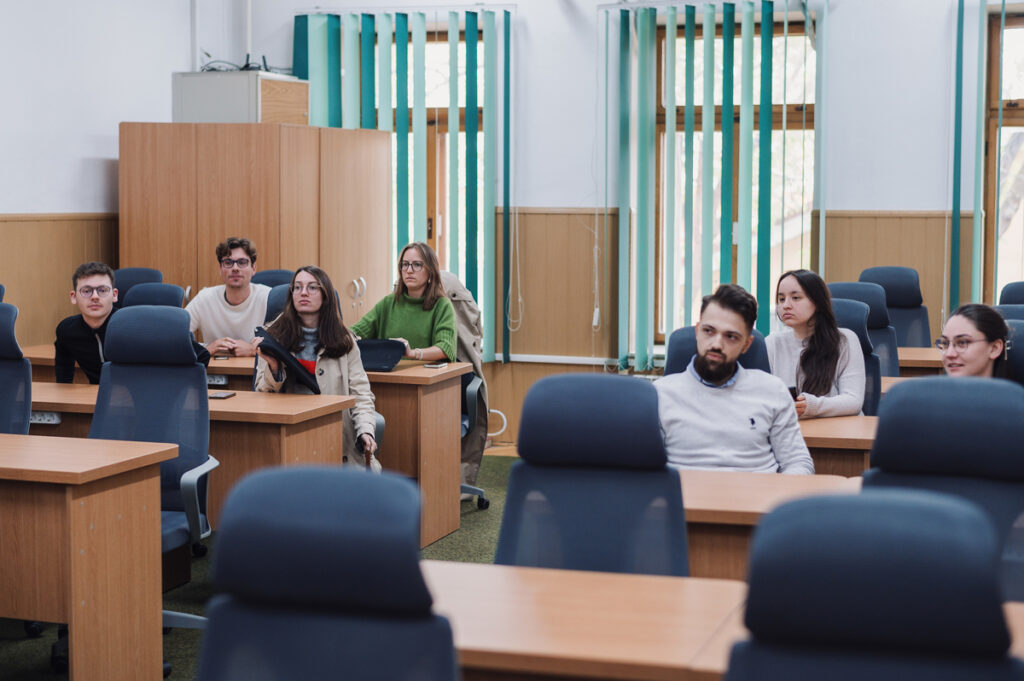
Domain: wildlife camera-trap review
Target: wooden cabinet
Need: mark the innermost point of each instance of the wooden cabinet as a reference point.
(304, 195)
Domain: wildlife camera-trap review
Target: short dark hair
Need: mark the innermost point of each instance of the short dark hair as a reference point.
(88, 269)
(734, 297)
(225, 247)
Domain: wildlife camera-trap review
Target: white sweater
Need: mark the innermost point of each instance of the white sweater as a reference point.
(747, 425)
(846, 396)
(210, 313)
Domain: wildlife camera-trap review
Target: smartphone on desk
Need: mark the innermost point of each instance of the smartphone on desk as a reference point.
(221, 394)
(440, 365)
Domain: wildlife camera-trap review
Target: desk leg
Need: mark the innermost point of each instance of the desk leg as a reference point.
(849, 463)
(718, 551)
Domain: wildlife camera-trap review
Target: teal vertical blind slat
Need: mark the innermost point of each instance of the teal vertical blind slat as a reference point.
(744, 265)
(623, 188)
(402, 129)
(472, 125)
(707, 211)
(644, 300)
(385, 113)
(454, 250)
(669, 250)
(490, 166)
(419, 126)
(688, 124)
(728, 42)
(958, 105)
(333, 74)
(300, 46)
(506, 174)
(764, 188)
(367, 95)
(350, 79)
(977, 236)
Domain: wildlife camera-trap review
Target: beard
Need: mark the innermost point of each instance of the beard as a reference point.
(717, 372)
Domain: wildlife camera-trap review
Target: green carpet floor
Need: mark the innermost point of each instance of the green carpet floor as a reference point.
(26, 659)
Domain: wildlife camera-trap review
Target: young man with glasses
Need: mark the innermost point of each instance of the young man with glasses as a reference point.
(228, 314)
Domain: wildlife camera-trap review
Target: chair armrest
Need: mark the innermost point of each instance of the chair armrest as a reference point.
(473, 402)
(190, 498)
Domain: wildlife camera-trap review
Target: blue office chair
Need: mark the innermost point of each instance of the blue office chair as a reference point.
(853, 315)
(276, 301)
(273, 278)
(1015, 353)
(593, 490)
(1012, 294)
(15, 377)
(1011, 311)
(317, 573)
(959, 436)
(3, 290)
(880, 332)
(885, 586)
(903, 297)
(152, 293)
(682, 346)
(128, 277)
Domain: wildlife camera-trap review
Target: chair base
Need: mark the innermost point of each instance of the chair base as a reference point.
(177, 567)
(482, 502)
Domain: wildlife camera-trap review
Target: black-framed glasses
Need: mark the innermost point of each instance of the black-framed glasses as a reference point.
(228, 263)
(101, 291)
(414, 265)
(311, 288)
(960, 344)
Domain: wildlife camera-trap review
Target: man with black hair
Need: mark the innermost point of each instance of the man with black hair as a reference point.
(716, 414)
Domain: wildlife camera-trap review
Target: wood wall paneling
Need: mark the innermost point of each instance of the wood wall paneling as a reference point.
(299, 240)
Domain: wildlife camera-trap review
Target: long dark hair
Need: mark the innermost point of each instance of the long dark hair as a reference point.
(435, 289)
(992, 325)
(817, 371)
(334, 338)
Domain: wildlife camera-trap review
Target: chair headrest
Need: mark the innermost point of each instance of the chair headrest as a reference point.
(1012, 293)
(149, 334)
(838, 571)
(153, 293)
(853, 315)
(866, 292)
(323, 537)
(9, 348)
(127, 277)
(276, 300)
(1015, 355)
(592, 420)
(951, 426)
(1011, 310)
(901, 284)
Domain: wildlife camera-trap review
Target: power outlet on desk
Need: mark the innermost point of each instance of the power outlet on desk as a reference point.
(50, 418)
(216, 379)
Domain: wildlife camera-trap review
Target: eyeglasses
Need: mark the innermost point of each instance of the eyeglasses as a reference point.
(311, 288)
(414, 265)
(228, 263)
(960, 344)
(101, 291)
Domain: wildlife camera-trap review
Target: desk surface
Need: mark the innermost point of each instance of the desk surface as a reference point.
(568, 622)
(246, 407)
(840, 432)
(74, 461)
(735, 498)
(889, 381)
(929, 358)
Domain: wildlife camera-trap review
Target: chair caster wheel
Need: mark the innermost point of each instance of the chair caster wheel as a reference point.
(59, 656)
(33, 629)
(167, 669)
(199, 550)
(483, 503)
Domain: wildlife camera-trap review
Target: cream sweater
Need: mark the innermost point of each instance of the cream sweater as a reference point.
(211, 314)
(846, 397)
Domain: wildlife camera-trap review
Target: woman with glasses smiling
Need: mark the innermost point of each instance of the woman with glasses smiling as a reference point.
(417, 313)
(310, 327)
(974, 342)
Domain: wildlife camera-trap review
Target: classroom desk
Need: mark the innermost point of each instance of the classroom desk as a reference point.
(919, 361)
(840, 445)
(247, 432)
(422, 409)
(722, 508)
(518, 623)
(889, 381)
(80, 540)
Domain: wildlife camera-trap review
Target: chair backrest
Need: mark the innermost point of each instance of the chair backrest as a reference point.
(276, 300)
(1012, 293)
(1011, 311)
(881, 333)
(3, 290)
(128, 277)
(317, 573)
(853, 315)
(152, 293)
(959, 436)
(839, 590)
(682, 346)
(584, 440)
(273, 278)
(152, 389)
(1015, 355)
(907, 311)
(15, 377)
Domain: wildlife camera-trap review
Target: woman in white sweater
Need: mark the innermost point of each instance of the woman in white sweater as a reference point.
(821, 362)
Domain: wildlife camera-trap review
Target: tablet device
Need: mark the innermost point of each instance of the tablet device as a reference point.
(271, 347)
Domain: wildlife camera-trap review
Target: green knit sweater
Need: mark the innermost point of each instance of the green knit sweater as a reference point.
(407, 319)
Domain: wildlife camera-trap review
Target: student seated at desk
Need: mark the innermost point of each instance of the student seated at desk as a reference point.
(717, 415)
(974, 342)
(313, 331)
(80, 337)
(822, 361)
(417, 313)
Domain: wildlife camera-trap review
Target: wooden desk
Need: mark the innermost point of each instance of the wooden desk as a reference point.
(80, 540)
(518, 623)
(247, 432)
(840, 445)
(889, 381)
(722, 508)
(919, 361)
(422, 409)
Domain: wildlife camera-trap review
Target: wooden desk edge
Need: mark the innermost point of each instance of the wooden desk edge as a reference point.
(161, 452)
(418, 375)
